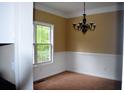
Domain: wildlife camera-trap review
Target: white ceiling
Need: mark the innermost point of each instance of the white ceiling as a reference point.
(74, 7)
(69, 7)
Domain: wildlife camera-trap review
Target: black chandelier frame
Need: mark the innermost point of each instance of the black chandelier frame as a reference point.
(83, 26)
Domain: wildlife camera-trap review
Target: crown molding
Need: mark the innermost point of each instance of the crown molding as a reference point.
(97, 11)
(49, 10)
(78, 13)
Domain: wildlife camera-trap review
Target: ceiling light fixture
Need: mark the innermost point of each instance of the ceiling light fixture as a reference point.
(83, 26)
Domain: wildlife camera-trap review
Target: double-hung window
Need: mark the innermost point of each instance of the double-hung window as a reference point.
(43, 43)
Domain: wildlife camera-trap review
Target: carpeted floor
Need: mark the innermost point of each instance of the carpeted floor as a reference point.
(75, 81)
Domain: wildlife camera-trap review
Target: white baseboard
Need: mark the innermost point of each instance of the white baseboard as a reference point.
(46, 70)
(97, 64)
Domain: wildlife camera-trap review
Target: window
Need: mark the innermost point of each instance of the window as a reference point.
(43, 43)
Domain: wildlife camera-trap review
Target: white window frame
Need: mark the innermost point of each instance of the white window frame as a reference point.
(51, 42)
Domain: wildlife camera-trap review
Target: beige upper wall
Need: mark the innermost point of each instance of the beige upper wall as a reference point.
(107, 38)
(59, 28)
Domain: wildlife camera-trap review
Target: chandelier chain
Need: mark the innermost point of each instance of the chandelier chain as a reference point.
(84, 7)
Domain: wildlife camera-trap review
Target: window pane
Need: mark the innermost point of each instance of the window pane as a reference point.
(42, 34)
(43, 53)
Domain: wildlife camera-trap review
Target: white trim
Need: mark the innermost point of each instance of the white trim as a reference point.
(23, 45)
(77, 14)
(43, 23)
(88, 53)
(51, 42)
(97, 11)
(49, 10)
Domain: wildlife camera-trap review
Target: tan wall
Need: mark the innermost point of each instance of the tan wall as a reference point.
(107, 38)
(59, 28)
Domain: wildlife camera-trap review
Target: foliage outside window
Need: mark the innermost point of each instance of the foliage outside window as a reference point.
(43, 43)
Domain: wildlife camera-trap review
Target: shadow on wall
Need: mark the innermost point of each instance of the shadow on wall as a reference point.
(119, 33)
(119, 42)
(27, 75)
(0, 74)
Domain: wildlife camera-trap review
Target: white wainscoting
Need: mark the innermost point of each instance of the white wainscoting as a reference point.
(96, 64)
(46, 70)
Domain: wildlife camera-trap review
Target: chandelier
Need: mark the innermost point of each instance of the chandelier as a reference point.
(83, 26)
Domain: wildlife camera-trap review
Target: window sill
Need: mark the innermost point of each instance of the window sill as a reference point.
(41, 64)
